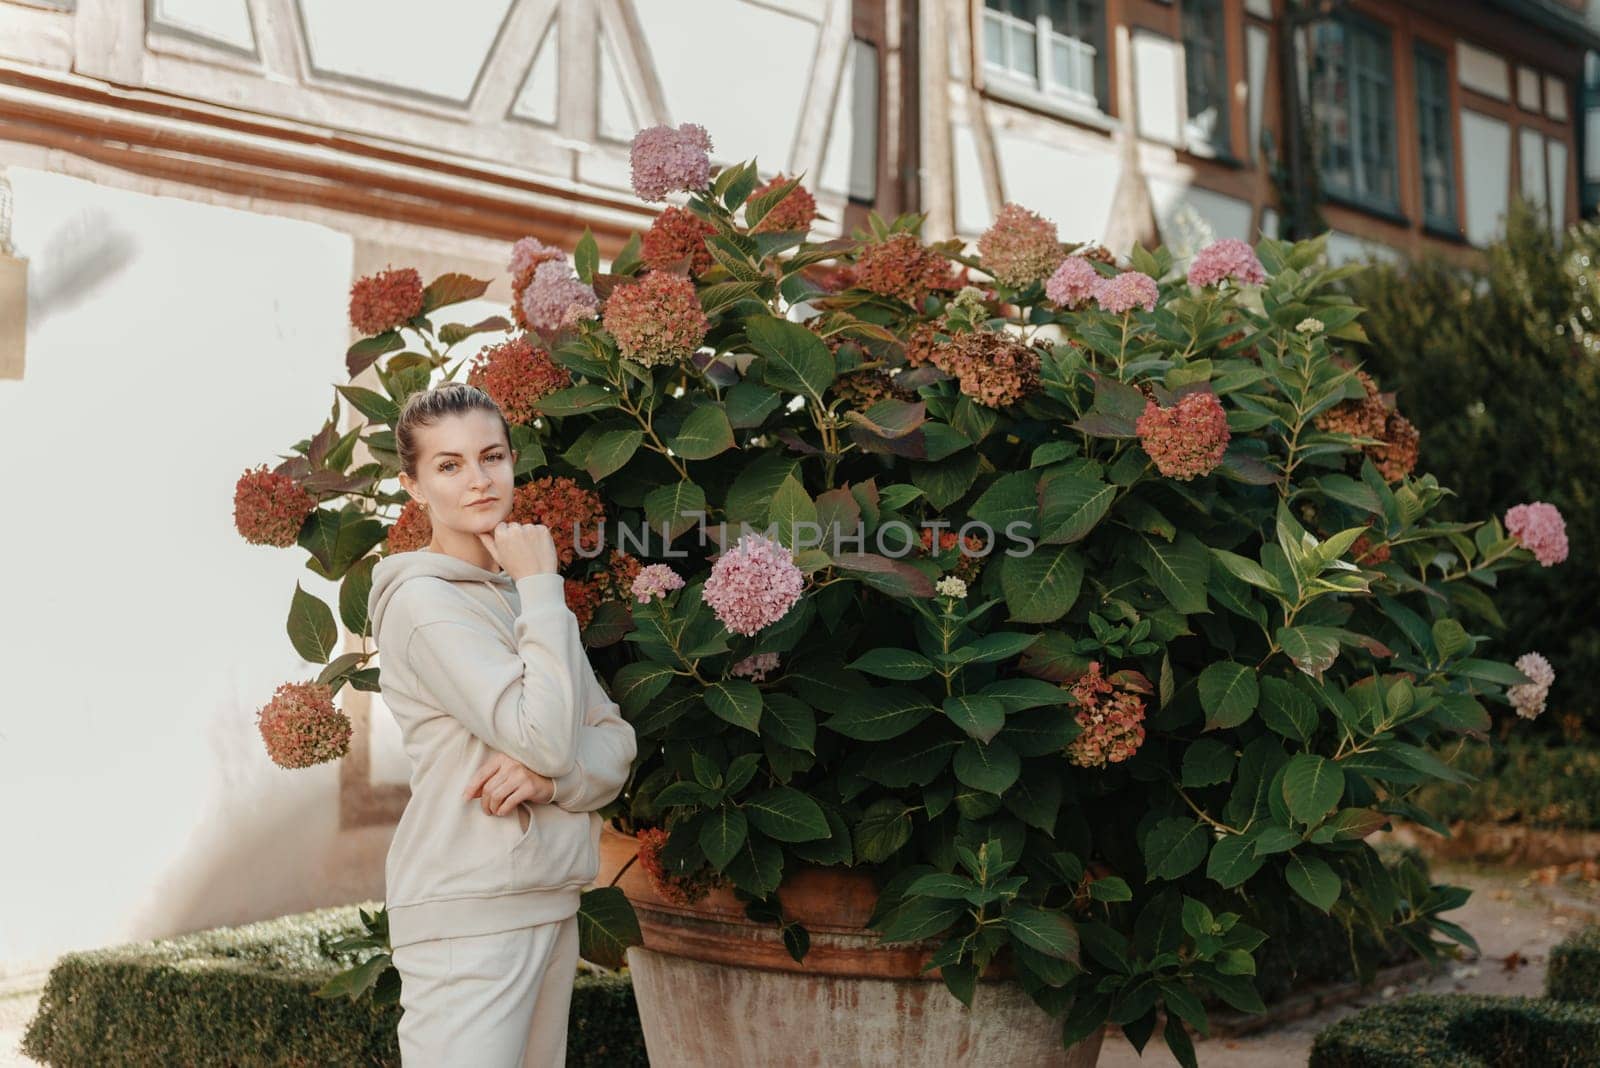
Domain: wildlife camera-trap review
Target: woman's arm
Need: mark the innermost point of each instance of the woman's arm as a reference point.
(605, 751)
(527, 704)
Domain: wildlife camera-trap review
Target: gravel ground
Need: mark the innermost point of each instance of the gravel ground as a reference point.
(1515, 922)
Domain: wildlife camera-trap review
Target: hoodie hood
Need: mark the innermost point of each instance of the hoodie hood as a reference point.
(393, 571)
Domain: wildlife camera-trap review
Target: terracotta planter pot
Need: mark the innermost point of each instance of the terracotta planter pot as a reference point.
(715, 988)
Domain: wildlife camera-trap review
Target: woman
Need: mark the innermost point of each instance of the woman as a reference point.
(502, 716)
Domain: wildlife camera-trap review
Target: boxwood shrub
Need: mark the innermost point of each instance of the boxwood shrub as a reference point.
(243, 996)
(1463, 1031)
(1574, 973)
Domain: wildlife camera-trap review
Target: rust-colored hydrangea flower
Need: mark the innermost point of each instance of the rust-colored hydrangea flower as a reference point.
(385, 300)
(1366, 551)
(1112, 720)
(863, 388)
(902, 267)
(270, 508)
(582, 598)
(680, 888)
(302, 727)
(656, 320)
(922, 344)
(615, 582)
(1021, 247)
(967, 563)
(1397, 456)
(796, 211)
(1187, 440)
(412, 531)
(993, 367)
(675, 235)
(1364, 418)
(573, 514)
(516, 373)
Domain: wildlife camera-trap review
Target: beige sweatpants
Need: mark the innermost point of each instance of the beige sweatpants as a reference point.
(496, 1001)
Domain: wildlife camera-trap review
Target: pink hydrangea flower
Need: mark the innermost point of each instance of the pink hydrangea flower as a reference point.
(1126, 291)
(753, 585)
(527, 254)
(1529, 697)
(654, 582)
(1187, 440)
(667, 160)
(301, 727)
(1073, 283)
(1021, 247)
(1540, 528)
(555, 298)
(1228, 258)
(656, 320)
(755, 668)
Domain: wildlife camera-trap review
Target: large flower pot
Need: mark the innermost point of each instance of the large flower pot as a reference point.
(716, 988)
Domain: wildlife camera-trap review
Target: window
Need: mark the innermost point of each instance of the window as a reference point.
(1056, 46)
(1436, 148)
(1352, 110)
(1205, 67)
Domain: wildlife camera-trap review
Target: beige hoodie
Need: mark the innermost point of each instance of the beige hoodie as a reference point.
(472, 662)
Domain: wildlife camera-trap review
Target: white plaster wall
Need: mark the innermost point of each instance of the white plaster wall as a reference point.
(170, 346)
(1070, 179)
(775, 50)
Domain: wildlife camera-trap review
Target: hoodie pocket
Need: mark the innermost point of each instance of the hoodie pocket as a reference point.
(559, 847)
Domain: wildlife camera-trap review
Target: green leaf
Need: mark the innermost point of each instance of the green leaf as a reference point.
(1110, 889)
(789, 721)
(1042, 586)
(1313, 649)
(1001, 645)
(312, 631)
(610, 451)
(794, 358)
(920, 917)
(980, 717)
(1174, 847)
(880, 714)
(991, 768)
(1450, 638)
(900, 664)
(1312, 879)
(607, 926)
(704, 434)
(788, 815)
(1287, 710)
(882, 830)
(1233, 860)
(354, 592)
(1228, 693)
(1207, 762)
(1046, 930)
(1312, 786)
(758, 867)
(738, 701)
(354, 982)
(1179, 570)
(1248, 570)
(722, 834)
(791, 510)
(1070, 506)
(677, 507)
(586, 257)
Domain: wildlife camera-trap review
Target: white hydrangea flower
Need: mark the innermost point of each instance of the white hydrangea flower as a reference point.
(1311, 325)
(950, 586)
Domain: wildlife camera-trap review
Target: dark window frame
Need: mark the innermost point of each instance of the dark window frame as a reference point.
(1436, 141)
(1036, 25)
(1203, 30)
(1370, 148)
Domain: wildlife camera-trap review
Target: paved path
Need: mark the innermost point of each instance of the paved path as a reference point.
(1505, 914)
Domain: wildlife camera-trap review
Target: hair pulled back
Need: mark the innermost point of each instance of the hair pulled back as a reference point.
(428, 406)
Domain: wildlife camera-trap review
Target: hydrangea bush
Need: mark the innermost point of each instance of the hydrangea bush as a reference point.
(1089, 604)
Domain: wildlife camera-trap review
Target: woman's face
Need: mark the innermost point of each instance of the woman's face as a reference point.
(464, 460)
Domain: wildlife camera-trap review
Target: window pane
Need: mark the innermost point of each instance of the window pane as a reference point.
(1436, 152)
(1352, 102)
(1072, 65)
(994, 41)
(1023, 58)
(1205, 64)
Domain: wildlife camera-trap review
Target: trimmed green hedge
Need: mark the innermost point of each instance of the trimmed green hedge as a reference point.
(1574, 972)
(242, 995)
(1439, 1030)
(1463, 1031)
(1522, 781)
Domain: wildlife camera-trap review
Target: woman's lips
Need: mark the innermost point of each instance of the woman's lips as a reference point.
(479, 504)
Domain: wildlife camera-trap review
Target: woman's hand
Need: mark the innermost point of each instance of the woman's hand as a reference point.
(522, 549)
(505, 784)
